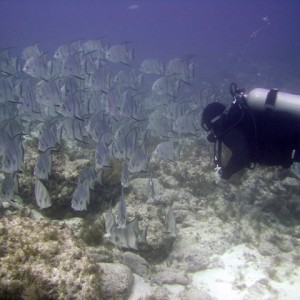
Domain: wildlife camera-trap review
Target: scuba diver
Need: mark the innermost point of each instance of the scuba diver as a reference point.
(262, 127)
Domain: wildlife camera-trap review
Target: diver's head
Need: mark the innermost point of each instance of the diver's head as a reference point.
(210, 114)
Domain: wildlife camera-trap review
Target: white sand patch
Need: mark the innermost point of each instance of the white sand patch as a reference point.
(140, 289)
(174, 289)
(243, 275)
(289, 288)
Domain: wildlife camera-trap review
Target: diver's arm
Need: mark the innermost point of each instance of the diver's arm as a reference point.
(240, 157)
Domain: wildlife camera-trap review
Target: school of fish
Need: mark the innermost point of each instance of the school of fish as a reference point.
(96, 94)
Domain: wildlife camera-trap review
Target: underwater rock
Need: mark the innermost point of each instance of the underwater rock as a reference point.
(181, 215)
(267, 249)
(267, 245)
(100, 254)
(291, 182)
(136, 263)
(284, 243)
(162, 293)
(140, 188)
(152, 217)
(45, 254)
(260, 287)
(195, 294)
(171, 277)
(117, 281)
(61, 184)
(170, 182)
(196, 261)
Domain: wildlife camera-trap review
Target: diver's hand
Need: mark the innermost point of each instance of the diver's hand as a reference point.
(218, 175)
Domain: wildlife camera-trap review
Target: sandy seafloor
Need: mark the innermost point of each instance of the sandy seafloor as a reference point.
(247, 260)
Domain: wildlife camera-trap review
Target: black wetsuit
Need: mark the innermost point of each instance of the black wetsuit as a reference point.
(267, 138)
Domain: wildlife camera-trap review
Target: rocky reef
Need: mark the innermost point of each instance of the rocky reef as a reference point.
(241, 238)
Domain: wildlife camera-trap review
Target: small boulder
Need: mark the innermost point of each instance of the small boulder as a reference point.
(117, 281)
(136, 263)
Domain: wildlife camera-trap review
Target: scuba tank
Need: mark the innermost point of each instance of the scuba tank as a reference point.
(262, 99)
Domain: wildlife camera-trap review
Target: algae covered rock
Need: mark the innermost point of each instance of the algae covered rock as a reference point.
(45, 255)
(195, 294)
(171, 277)
(136, 263)
(117, 281)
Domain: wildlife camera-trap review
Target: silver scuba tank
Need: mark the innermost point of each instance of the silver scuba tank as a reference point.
(263, 99)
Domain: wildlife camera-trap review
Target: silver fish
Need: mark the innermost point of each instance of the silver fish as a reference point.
(139, 161)
(151, 197)
(159, 125)
(69, 86)
(92, 46)
(8, 111)
(14, 127)
(9, 187)
(126, 237)
(142, 240)
(119, 54)
(71, 66)
(65, 50)
(92, 61)
(125, 141)
(166, 85)
(152, 66)
(36, 66)
(101, 155)
(13, 155)
(4, 140)
(54, 67)
(175, 110)
(50, 136)
(181, 68)
(42, 196)
(43, 166)
(31, 51)
(99, 81)
(6, 90)
(96, 103)
(48, 93)
(29, 103)
(122, 214)
(129, 107)
(110, 223)
(73, 129)
(87, 176)
(170, 222)
(167, 150)
(128, 78)
(71, 106)
(8, 65)
(112, 100)
(184, 125)
(81, 197)
(125, 176)
(98, 126)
